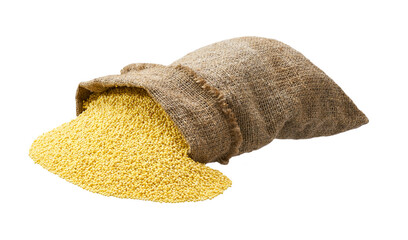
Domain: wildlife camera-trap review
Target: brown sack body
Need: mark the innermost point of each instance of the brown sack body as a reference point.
(237, 95)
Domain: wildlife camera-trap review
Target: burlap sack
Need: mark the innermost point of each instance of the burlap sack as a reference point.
(237, 95)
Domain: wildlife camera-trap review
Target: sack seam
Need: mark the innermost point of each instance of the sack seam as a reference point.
(235, 131)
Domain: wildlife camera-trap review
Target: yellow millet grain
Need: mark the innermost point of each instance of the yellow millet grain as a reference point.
(125, 145)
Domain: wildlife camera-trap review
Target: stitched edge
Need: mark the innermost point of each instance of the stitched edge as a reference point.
(236, 136)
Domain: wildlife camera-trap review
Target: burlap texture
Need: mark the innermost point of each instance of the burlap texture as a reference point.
(237, 95)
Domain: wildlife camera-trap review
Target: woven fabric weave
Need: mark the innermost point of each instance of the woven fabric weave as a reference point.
(237, 95)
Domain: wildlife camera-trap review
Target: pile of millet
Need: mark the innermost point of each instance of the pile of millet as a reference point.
(125, 145)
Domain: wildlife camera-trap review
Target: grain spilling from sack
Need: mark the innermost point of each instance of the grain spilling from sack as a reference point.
(125, 145)
(145, 133)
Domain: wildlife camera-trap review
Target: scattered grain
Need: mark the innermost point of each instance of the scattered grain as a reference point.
(125, 145)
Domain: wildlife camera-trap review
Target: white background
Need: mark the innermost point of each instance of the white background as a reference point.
(350, 186)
